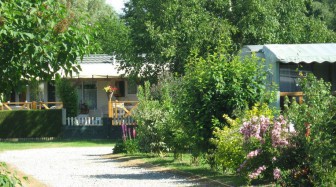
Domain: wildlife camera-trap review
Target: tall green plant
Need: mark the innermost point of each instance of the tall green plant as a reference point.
(68, 94)
(158, 129)
(315, 152)
(216, 85)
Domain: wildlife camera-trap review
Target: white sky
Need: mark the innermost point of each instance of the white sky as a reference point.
(118, 5)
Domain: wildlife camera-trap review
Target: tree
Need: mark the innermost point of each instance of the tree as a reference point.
(277, 21)
(163, 34)
(110, 32)
(324, 10)
(37, 39)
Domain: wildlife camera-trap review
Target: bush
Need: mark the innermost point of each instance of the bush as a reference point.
(158, 129)
(229, 142)
(68, 95)
(297, 149)
(129, 146)
(30, 123)
(216, 85)
(314, 156)
(7, 178)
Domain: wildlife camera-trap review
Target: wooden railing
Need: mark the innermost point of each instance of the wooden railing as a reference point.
(290, 95)
(121, 112)
(30, 105)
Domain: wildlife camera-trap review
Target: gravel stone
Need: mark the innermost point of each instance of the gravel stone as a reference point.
(77, 167)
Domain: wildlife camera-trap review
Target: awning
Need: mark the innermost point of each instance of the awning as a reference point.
(99, 70)
(98, 66)
(297, 53)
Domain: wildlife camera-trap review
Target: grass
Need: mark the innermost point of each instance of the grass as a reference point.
(185, 166)
(6, 146)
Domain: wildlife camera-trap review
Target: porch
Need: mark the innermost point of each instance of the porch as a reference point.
(120, 112)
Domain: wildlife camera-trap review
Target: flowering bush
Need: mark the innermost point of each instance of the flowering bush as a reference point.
(265, 139)
(230, 144)
(304, 156)
(312, 160)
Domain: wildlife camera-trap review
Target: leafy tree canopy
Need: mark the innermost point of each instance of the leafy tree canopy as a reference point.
(37, 39)
(163, 34)
(110, 31)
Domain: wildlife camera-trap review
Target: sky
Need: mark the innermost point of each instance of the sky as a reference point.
(118, 5)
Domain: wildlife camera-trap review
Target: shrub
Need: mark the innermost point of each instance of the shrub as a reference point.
(30, 123)
(297, 149)
(7, 178)
(314, 156)
(216, 85)
(229, 149)
(68, 95)
(158, 129)
(129, 146)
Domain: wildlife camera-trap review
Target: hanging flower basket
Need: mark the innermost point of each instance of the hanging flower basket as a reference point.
(109, 91)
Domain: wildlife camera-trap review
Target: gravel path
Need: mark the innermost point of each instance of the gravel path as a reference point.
(85, 167)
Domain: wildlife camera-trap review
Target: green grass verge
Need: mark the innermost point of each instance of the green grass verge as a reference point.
(184, 165)
(6, 146)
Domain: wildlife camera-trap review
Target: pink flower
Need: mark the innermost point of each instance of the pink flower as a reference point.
(253, 153)
(278, 132)
(276, 173)
(257, 172)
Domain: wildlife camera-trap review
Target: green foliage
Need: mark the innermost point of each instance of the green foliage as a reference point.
(230, 149)
(129, 146)
(8, 179)
(110, 32)
(30, 123)
(217, 85)
(148, 116)
(68, 95)
(166, 33)
(314, 120)
(277, 21)
(38, 39)
(324, 10)
(169, 32)
(158, 128)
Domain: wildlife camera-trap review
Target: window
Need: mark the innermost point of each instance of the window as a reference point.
(132, 87)
(87, 94)
(121, 89)
(289, 74)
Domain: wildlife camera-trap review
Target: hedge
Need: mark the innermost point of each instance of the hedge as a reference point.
(30, 123)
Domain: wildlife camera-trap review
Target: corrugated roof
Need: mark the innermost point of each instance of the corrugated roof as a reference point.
(296, 53)
(98, 66)
(96, 58)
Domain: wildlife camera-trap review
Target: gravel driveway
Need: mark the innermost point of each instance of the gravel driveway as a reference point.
(85, 167)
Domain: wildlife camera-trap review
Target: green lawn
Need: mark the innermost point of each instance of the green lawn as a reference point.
(4, 146)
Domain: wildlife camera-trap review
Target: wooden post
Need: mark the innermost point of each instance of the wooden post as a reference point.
(34, 105)
(300, 99)
(109, 106)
